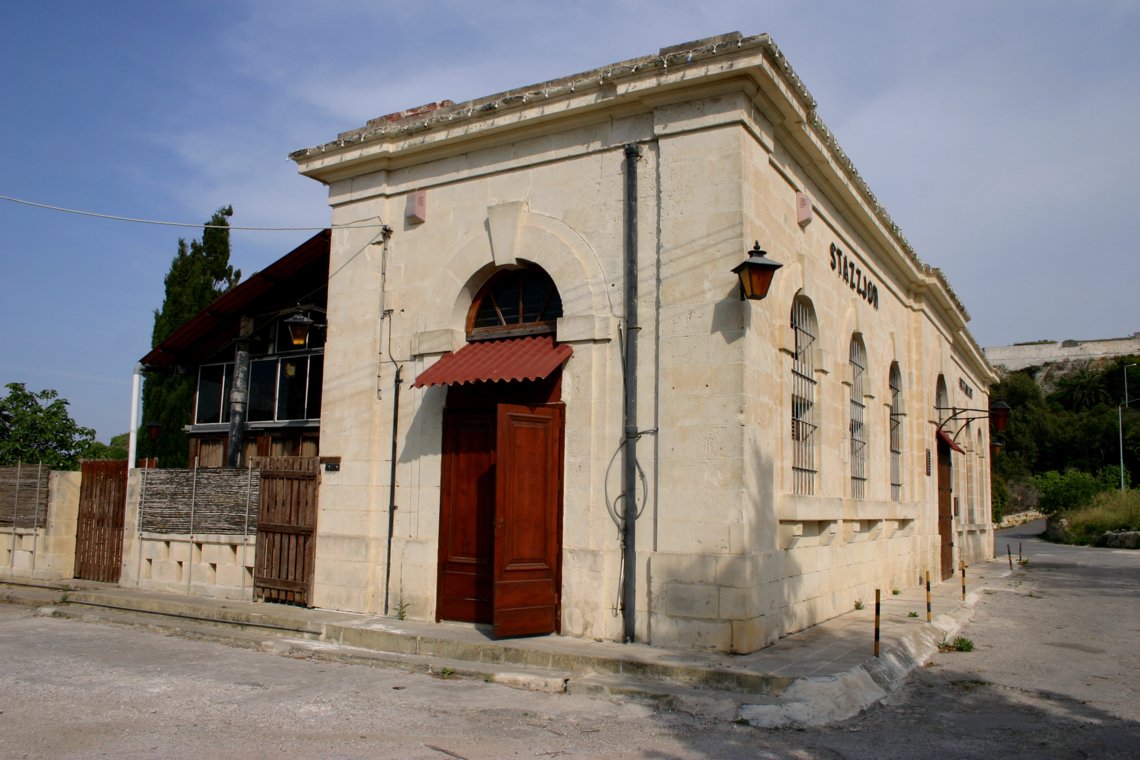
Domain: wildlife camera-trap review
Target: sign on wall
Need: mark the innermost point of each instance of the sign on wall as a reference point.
(848, 271)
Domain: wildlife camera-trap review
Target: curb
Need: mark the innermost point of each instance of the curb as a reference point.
(694, 685)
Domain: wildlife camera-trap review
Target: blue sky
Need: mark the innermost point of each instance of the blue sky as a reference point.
(999, 135)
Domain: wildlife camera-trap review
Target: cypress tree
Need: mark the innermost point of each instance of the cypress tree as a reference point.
(199, 273)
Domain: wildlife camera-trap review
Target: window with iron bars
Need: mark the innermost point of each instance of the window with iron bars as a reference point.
(804, 415)
(895, 383)
(858, 427)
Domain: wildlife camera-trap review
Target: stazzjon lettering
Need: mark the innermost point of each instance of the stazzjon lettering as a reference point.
(853, 276)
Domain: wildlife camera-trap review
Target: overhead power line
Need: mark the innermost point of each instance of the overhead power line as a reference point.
(134, 220)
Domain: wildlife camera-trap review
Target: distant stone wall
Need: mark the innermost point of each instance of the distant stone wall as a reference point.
(1036, 354)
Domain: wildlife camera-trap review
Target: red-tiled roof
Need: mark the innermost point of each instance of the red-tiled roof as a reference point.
(532, 357)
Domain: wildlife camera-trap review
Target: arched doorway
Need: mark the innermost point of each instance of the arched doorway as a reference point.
(500, 532)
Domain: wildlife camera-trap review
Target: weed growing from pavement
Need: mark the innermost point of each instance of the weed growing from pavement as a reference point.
(859, 604)
(895, 592)
(446, 672)
(912, 614)
(959, 644)
(402, 610)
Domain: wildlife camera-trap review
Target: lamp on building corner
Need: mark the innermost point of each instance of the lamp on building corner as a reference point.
(997, 415)
(299, 325)
(755, 274)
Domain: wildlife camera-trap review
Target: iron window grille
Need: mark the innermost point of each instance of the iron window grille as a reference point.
(895, 383)
(804, 416)
(858, 428)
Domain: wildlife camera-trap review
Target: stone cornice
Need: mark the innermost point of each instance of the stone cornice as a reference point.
(626, 85)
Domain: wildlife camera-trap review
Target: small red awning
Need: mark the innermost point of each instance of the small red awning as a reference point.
(950, 441)
(532, 357)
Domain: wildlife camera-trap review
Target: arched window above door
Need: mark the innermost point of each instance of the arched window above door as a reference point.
(515, 302)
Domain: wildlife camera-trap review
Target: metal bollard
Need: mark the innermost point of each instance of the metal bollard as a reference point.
(963, 581)
(876, 622)
(928, 596)
(1010, 555)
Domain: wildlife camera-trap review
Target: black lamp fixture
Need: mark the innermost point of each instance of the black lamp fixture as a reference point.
(299, 325)
(755, 274)
(152, 433)
(997, 415)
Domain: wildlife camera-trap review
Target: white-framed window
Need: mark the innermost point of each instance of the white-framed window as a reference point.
(895, 382)
(805, 420)
(857, 424)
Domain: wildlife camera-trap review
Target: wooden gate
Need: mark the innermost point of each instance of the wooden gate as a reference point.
(286, 529)
(99, 532)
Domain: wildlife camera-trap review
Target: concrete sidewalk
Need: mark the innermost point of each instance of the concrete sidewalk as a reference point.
(823, 674)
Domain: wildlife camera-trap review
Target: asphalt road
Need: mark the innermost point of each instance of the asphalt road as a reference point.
(1053, 675)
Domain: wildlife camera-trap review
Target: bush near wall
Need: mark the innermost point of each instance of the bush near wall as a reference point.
(1071, 489)
(1109, 512)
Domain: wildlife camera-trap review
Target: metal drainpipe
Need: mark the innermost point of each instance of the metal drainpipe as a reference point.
(133, 438)
(629, 460)
(392, 486)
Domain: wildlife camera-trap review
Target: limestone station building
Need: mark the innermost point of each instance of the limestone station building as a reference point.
(547, 407)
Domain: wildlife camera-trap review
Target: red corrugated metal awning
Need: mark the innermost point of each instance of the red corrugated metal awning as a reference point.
(532, 357)
(950, 441)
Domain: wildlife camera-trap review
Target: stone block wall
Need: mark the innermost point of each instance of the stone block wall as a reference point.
(45, 552)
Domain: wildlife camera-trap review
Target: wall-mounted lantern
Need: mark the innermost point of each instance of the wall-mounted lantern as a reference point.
(152, 430)
(997, 415)
(755, 274)
(299, 325)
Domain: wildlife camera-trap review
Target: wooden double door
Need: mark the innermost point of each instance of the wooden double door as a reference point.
(500, 541)
(945, 509)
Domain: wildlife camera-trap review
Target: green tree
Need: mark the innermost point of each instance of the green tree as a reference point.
(1056, 446)
(37, 428)
(199, 273)
(1081, 389)
(116, 449)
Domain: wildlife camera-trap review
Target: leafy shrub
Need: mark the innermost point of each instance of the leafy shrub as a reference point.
(1109, 511)
(999, 497)
(1066, 491)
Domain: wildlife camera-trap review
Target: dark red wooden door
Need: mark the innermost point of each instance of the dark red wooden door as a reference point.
(99, 529)
(945, 511)
(528, 519)
(467, 502)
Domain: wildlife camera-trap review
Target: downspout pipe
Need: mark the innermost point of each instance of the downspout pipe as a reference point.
(392, 487)
(133, 439)
(629, 449)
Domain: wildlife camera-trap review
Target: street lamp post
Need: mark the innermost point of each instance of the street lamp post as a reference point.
(1120, 423)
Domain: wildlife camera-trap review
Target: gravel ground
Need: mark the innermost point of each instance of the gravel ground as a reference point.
(1052, 675)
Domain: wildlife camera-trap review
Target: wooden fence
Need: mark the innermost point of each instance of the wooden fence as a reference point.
(24, 495)
(213, 500)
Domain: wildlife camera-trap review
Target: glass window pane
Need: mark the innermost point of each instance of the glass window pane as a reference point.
(227, 391)
(210, 394)
(291, 388)
(507, 296)
(262, 388)
(316, 377)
